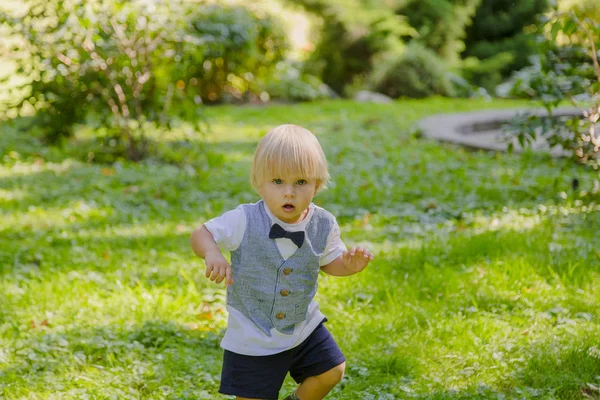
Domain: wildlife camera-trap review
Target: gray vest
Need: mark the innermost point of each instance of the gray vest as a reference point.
(268, 290)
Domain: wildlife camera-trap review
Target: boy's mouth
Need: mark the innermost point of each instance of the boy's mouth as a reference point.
(289, 207)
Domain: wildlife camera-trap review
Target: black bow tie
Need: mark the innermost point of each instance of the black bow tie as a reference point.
(277, 232)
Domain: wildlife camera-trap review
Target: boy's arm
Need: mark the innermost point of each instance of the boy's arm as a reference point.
(204, 245)
(349, 263)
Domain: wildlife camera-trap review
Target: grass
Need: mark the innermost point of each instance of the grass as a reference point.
(486, 282)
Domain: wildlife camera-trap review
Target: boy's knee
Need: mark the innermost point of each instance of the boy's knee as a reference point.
(335, 374)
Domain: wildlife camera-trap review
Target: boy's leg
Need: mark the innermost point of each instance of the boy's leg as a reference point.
(318, 365)
(317, 387)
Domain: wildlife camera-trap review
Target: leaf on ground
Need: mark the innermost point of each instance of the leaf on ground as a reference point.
(108, 171)
(33, 325)
(205, 312)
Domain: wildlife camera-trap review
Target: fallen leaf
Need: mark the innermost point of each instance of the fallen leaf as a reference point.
(205, 312)
(205, 316)
(108, 171)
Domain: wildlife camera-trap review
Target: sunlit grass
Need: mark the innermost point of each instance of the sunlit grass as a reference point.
(486, 282)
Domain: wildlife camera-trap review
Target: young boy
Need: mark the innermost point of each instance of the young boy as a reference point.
(278, 245)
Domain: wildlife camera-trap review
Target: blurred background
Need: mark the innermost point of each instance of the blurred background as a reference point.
(118, 66)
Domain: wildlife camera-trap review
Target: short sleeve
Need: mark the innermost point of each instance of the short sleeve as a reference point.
(334, 247)
(228, 229)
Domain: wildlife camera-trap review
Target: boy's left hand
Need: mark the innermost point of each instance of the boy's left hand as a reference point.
(356, 259)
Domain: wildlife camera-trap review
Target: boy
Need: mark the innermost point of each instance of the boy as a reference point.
(278, 245)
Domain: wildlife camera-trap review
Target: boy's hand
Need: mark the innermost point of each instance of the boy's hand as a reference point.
(356, 259)
(217, 268)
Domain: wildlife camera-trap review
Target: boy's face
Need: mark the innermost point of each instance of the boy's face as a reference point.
(288, 196)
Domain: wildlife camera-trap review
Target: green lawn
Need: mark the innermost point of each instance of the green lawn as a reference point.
(486, 281)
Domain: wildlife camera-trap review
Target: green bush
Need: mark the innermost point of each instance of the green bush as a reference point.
(417, 73)
(239, 52)
(121, 61)
(440, 24)
(352, 32)
(486, 73)
(339, 57)
(290, 83)
(127, 62)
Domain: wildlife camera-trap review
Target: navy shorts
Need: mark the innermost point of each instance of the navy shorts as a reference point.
(261, 377)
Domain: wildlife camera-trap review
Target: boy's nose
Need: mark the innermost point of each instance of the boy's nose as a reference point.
(289, 192)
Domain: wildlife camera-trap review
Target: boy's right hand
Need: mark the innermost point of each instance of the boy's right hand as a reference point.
(217, 268)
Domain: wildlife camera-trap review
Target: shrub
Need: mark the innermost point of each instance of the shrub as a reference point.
(417, 73)
(105, 57)
(486, 73)
(290, 83)
(352, 33)
(239, 53)
(440, 24)
(127, 62)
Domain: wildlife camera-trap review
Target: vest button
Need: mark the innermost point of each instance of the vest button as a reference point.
(284, 292)
(280, 315)
(287, 271)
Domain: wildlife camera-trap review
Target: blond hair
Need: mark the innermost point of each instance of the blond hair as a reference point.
(289, 150)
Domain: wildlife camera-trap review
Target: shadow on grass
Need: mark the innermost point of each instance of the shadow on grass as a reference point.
(132, 187)
(168, 149)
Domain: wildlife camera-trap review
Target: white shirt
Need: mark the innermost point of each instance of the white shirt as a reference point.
(242, 336)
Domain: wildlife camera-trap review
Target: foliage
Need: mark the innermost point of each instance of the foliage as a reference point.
(291, 83)
(441, 24)
(127, 62)
(485, 285)
(352, 33)
(568, 70)
(121, 60)
(240, 52)
(486, 73)
(500, 26)
(417, 73)
(358, 33)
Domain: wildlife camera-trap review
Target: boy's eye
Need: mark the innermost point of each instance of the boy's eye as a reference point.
(277, 181)
(301, 182)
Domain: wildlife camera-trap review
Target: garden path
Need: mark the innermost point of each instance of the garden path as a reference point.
(483, 129)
